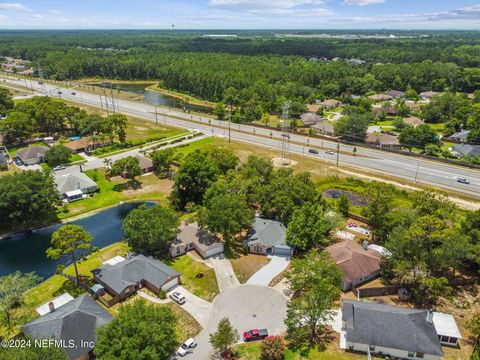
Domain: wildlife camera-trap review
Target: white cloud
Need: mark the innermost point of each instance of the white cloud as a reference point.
(14, 6)
(362, 2)
(278, 7)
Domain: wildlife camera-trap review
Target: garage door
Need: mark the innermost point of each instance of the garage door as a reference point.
(170, 284)
(282, 250)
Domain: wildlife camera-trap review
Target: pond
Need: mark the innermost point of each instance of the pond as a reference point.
(151, 97)
(26, 253)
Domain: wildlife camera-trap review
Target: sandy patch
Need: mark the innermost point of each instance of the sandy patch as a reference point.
(279, 162)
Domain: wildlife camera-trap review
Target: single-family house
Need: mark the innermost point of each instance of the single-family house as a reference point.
(146, 164)
(85, 144)
(427, 95)
(392, 331)
(32, 155)
(358, 264)
(380, 97)
(385, 110)
(74, 186)
(413, 121)
(268, 237)
(124, 278)
(461, 136)
(76, 321)
(466, 150)
(192, 237)
(313, 108)
(324, 127)
(330, 103)
(310, 119)
(383, 141)
(395, 94)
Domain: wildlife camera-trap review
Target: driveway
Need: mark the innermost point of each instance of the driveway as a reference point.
(200, 309)
(247, 307)
(224, 273)
(265, 275)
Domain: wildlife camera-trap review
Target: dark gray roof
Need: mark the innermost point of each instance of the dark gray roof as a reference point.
(267, 232)
(73, 181)
(3, 159)
(465, 149)
(76, 320)
(461, 135)
(134, 270)
(390, 326)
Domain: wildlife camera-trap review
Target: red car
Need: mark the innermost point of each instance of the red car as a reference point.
(255, 334)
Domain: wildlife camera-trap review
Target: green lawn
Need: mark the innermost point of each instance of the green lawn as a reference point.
(57, 285)
(252, 351)
(203, 144)
(205, 287)
(113, 191)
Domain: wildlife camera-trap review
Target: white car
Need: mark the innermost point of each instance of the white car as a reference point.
(187, 347)
(329, 152)
(177, 297)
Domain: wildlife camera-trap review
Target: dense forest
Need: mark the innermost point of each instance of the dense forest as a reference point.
(263, 67)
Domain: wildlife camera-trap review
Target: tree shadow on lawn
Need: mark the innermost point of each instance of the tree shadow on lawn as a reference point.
(129, 185)
(301, 343)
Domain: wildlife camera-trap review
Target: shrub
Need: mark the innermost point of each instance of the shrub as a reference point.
(273, 348)
(162, 294)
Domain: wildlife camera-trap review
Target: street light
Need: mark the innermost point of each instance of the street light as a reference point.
(418, 167)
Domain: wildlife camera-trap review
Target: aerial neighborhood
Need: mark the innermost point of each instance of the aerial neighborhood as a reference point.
(250, 194)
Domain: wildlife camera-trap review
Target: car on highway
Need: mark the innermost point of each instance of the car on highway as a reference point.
(73, 93)
(313, 151)
(187, 347)
(329, 152)
(59, 167)
(463, 180)
(178, 298)
(59, 93)
(255, 334)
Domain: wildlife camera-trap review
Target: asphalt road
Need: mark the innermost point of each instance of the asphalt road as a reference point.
(426, 172)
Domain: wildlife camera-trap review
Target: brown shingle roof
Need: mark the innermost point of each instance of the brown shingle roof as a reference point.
(330, 103)
(354, 261)
(84, 143)
(313, 108)
(414, 121)
(380, 97)
(32, 152)
(310, 118)
(382, 139)
(144, 162)
(324, 127)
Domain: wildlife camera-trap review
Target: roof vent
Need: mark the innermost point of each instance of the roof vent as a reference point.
(365, 245)
(430, 317)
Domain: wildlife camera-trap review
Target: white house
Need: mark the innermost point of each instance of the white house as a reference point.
(74, 186)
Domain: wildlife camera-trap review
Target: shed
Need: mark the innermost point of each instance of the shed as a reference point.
(74, 195)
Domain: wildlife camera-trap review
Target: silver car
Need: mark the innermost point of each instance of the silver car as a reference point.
(178, 298)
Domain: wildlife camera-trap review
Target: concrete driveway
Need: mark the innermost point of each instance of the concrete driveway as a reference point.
(265, 275)
(247, 307)
(224, 273)
(200, 309)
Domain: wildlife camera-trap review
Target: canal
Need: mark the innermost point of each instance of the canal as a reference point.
(152, 97)
(26, 253)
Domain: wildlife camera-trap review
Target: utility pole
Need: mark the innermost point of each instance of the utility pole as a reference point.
(229, 122)
(285, 135)
(338, 150)
(101, 102)
(156, 114)
(418, 167)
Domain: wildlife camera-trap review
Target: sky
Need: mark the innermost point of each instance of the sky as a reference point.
(240, 14)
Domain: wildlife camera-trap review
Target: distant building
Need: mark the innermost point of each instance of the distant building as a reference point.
(313, 108)
(324, 127)
(392, 331)
(385, 110)
(33, 155)
(413, 121)
(427, 95)
(76, 320)
(330, 103)
(310, 119)
(380, 97)
(357, 264)
(396, 94)
(85, 144)
(383, 141)
(461, 136)
(466, 150)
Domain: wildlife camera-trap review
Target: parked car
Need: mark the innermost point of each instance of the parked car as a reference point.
(177, 297)
(463, 180)
(313, 151)
(187, 347)
(329, 152)
(255, 334)
(18, 162)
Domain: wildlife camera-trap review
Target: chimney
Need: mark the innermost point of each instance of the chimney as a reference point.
(51, 306)
(365, 245)
(430, 317)
(78, 185)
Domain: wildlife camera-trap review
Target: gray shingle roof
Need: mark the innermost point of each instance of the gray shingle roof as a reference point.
(76, 320)
(465, 149)
(390, 326)
(32, 152)
(134, 270)
(73, 181)
(267, 232)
